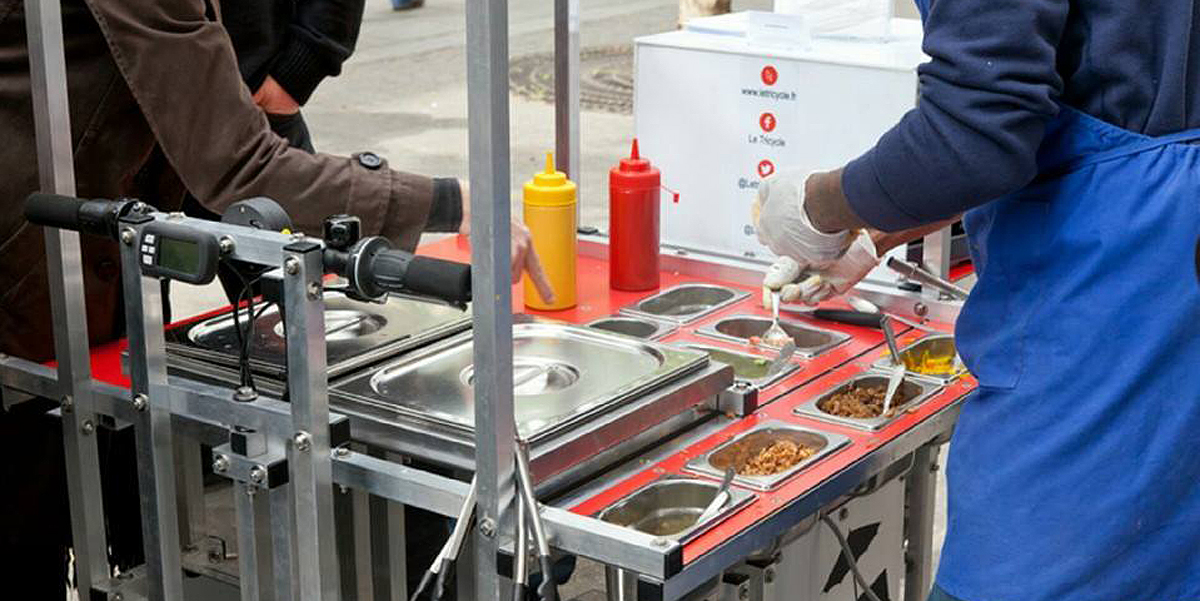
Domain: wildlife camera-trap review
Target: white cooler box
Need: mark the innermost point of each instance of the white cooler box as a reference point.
(717, 112)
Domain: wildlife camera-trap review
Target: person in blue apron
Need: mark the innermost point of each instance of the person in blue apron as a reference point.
(1066, 133)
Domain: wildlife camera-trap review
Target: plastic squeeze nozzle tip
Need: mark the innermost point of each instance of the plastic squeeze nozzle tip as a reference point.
(550, 163)
(633, 153)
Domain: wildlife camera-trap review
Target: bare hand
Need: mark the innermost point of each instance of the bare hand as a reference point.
(274, 100)
(524, 257)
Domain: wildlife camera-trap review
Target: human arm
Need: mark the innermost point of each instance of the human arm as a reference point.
(180, 67)
(987, 94)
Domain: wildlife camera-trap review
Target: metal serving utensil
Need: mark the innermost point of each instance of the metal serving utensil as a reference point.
(720, 500)
(898, 370)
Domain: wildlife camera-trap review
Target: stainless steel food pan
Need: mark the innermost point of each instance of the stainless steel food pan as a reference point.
(748, 444)
(637, 327)
(915, 390)
(685, 303)
(810, 341)
(668, 507)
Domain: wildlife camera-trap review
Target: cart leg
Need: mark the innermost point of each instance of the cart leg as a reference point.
(254, 542)
(620, 585)
(921, 497)
(189, 491)
(283, 523)
(354, 552)
(389, 559)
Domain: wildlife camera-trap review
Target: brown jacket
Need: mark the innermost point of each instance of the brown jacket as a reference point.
(147, 72)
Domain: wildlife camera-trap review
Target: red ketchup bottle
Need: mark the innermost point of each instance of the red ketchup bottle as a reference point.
(633, 218)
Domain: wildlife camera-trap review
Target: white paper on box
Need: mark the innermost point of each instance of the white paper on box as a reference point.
(717, 114)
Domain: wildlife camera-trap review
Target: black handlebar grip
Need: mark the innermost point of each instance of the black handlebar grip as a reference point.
(444, 279)
(399, 271)
(96, 217)
(53, 210)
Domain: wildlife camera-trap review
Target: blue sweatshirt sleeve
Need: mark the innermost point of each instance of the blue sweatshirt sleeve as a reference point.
(986, 96)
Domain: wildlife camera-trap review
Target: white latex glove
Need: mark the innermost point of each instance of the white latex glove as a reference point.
(783, 226)
(782, 272)
(839, 277)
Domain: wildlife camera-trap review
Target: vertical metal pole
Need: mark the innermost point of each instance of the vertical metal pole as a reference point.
(309, 454)
(56, 173)
(283, 526)
(389, 553)
(354, 552)
(254, 542)
(361, 510)
(566, 87)
(155, 448)
(936, 252)
(921, 496)
(488, 120)
(190, 491)
(389, 575)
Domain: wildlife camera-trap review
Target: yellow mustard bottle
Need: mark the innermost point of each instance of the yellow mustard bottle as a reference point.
(551, 219)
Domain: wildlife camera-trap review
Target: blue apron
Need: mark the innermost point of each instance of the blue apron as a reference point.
(1074, 471)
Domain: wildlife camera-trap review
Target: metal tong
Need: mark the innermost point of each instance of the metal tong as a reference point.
(548, 589)
(443, 564)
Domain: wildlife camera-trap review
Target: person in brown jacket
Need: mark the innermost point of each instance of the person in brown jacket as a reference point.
(147, 74)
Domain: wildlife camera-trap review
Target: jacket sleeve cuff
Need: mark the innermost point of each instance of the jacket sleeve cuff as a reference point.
(299, 69)
(870, 200)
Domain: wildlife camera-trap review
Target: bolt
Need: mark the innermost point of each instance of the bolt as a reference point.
(297, 236)
(88, 427)
(934, 467)
(921, 309)
(843, 514)
(67, 403)
(341, 452)
(742, 385)
(220, 464)
(257, 474)
(174, 215)
(140, 207)
(128, 236)
(769, 575)
(118, 597)
(303, 441)
(291, 265)
(226, 245)
(487, 527)
(314, 291)
(743, 592)
(140, 401)
(342, 489)
(660, 542)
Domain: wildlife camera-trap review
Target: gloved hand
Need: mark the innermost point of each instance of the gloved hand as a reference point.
(839, 277)
(782, 224)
